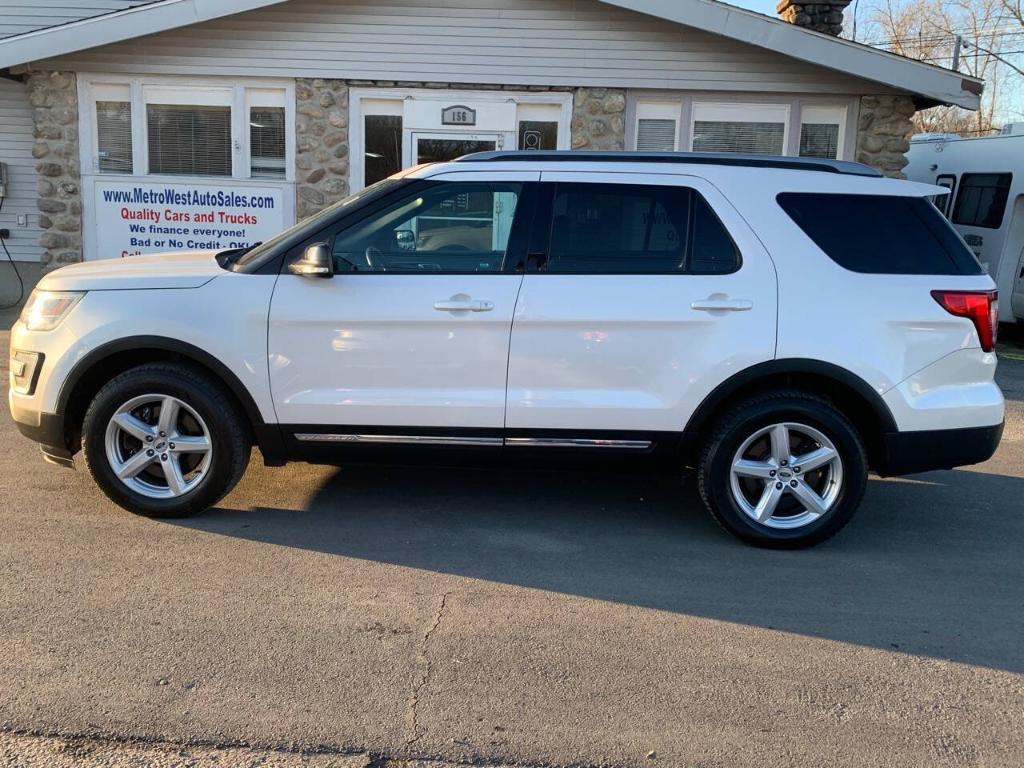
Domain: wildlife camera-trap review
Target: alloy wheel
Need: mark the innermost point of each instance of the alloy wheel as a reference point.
(158, 446)
(786, 475)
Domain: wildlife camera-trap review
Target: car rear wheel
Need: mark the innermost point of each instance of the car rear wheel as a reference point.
(785, 469)
(164, 440)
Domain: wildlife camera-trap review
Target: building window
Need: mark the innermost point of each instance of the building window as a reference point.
(114, 136)
(657, 126)
(981, 200)
(753, 129)
(821, 131)
(538, 134)
(217, 129)
(189, 139)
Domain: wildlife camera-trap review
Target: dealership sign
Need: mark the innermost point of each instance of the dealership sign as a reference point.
(133, 218)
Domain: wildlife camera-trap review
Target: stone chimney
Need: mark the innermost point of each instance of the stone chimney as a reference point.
(820, 15)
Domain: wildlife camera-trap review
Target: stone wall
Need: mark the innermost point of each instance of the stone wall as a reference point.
(599, 118)
(321, 152)
(883, 133)
(54, 98)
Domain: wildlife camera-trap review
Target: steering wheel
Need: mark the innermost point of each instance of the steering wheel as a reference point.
(375, 258)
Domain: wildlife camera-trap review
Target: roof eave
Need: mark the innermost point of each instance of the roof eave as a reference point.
(925, 80)
(113, 27)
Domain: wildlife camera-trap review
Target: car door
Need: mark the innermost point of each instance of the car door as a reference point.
(642, 293)
(413, 328)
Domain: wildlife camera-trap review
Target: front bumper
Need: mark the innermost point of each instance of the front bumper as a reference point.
(909, 452)
(47, 429)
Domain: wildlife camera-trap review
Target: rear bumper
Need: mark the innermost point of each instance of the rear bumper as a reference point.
(909, 452)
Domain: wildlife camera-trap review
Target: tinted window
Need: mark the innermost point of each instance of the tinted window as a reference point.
(881, 234)
(624, 229)
(981, 200)
(449, 227)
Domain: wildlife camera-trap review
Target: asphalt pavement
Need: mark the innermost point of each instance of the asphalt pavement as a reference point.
(531, 617)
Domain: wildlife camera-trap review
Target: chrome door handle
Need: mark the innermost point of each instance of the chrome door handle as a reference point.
(463, 306)
(727, 305)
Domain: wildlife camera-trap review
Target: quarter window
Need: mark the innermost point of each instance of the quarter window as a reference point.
(455, 227)
(620, 229)
(881, 234)
(981, 200)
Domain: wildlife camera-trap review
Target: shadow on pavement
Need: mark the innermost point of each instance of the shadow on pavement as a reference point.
(930, 566)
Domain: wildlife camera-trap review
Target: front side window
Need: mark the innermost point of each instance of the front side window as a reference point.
(981, 201)
(454, 227)
(881, 234)
(625, 229)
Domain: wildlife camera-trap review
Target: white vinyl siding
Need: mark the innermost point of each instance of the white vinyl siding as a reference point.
(521, 42)
(16, 151)
(19, 17)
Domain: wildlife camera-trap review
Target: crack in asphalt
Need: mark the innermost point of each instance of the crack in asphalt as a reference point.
(423, 660)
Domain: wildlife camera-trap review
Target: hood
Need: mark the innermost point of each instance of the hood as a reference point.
(188, 269)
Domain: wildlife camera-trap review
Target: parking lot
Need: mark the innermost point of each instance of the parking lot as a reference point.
(531, 617)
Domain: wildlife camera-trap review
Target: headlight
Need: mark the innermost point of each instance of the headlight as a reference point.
(45, 310)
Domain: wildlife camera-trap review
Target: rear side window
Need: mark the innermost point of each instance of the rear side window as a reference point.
(881, 234)
(624, 229)
(981, 200)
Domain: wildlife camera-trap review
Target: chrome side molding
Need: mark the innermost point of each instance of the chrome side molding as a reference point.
(494, 442)
(573, 442)
(317, 437)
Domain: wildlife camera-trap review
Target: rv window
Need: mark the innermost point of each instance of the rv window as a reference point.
(981, 200)
(881, 234)
(943, 202)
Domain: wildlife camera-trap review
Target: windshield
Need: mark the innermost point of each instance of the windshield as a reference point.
(310, 225)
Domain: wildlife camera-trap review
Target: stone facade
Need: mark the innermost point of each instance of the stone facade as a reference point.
(599, 118)
(820, 15)
(883, 133)
(322, 149)
(322, 130)
(54, 98)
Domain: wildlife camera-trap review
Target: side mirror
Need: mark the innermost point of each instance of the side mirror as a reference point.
(315, 262)
(405, 239)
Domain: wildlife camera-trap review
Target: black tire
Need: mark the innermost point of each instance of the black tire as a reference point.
(229, 436)
(745, 420)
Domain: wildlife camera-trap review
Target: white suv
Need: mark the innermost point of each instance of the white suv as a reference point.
(783, 325)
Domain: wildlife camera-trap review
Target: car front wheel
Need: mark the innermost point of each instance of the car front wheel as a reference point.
(786, 469)
(164, 440)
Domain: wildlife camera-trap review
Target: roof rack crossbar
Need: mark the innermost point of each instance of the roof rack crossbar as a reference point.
(681, 158)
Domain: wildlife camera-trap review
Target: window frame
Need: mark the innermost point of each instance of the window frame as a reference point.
(544, 218)
(239, 94)
(962, 185)
(849, 105)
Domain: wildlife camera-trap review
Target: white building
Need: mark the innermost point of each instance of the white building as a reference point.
(138, 127)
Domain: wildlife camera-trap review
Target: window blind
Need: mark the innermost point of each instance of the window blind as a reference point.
(819, 140)
(114, 136)
(754, 138)
(189, 139)
(656, 134)
(266, 142)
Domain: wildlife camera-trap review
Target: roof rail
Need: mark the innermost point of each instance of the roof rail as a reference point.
(681, 158)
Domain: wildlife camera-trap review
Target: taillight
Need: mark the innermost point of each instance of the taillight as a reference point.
(981, 307)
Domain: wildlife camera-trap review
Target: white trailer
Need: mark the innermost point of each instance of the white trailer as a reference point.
(985, 179)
